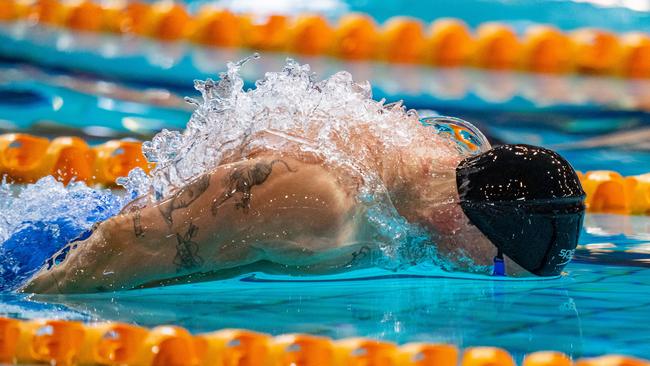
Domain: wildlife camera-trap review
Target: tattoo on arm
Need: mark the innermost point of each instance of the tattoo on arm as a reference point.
(358, 256)
(184, 198)
(187, 251)
(137, 225)
(242, 180)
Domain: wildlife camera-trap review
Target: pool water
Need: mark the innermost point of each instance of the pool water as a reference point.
(600, 306)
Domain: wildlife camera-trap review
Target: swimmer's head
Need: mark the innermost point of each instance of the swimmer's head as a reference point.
(527, 201)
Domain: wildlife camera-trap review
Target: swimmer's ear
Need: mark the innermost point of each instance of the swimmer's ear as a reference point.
(528, 201)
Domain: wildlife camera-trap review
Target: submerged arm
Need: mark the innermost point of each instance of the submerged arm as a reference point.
(271, 209)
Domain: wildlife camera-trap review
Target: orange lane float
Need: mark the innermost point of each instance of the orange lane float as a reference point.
(497, 47)
(170, 21)
(136, 18)
(9, 333)
(449, 43)
(234, 347)
(85, 16)
(49, 341)
(402, 40)
(217, 27)
(50, 12)
(596, 51)
(422, 354)
(364, 351)
(612, 360)
(113, 16)
(25, 158)
(635, 55)
(486, 356)
(356, 37)
(114, 159)
(112, 343)
(267, 33)
(168, 346)
(608, 191)
(8, 10)
(302, 349)
(310, 35)
(547, 358)
(546, 49)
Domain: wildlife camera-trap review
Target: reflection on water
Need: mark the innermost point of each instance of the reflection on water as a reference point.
(31, 98)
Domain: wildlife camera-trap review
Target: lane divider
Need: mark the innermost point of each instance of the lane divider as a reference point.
(355, 36)
(73, 343)
(610, 192)
(26, 158)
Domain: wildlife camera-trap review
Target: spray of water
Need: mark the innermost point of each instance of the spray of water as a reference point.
(324, 118)
(38, 219)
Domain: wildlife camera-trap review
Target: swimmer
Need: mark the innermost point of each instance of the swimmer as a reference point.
(280, 214)
(278, 207)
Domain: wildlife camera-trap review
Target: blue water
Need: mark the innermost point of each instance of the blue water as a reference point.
(597, 308)
(600, 306)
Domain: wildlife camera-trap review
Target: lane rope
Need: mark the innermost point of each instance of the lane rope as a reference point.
(63, 342)
(445, 42)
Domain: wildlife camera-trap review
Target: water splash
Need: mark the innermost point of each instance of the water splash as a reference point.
(38, 219)
(323, 117)
(328, 118)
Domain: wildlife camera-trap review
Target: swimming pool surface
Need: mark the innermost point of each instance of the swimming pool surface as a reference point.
(600, 306)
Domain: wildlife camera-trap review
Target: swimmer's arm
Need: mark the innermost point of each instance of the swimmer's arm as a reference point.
(267, 209)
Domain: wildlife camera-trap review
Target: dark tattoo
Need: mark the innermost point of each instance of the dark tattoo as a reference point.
(358, 256)
(137, 225)
(187, 256)
(184, 198)
(243, 180)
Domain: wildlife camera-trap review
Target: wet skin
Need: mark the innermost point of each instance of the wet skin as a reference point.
(280, 213)
(241, 213)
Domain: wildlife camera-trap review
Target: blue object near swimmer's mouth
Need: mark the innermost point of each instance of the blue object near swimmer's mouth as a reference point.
(499, 269)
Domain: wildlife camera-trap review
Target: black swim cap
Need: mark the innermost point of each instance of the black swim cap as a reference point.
(528, 201)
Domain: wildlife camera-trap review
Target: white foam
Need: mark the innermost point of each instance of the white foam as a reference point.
(321, 116)
(49, 200)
